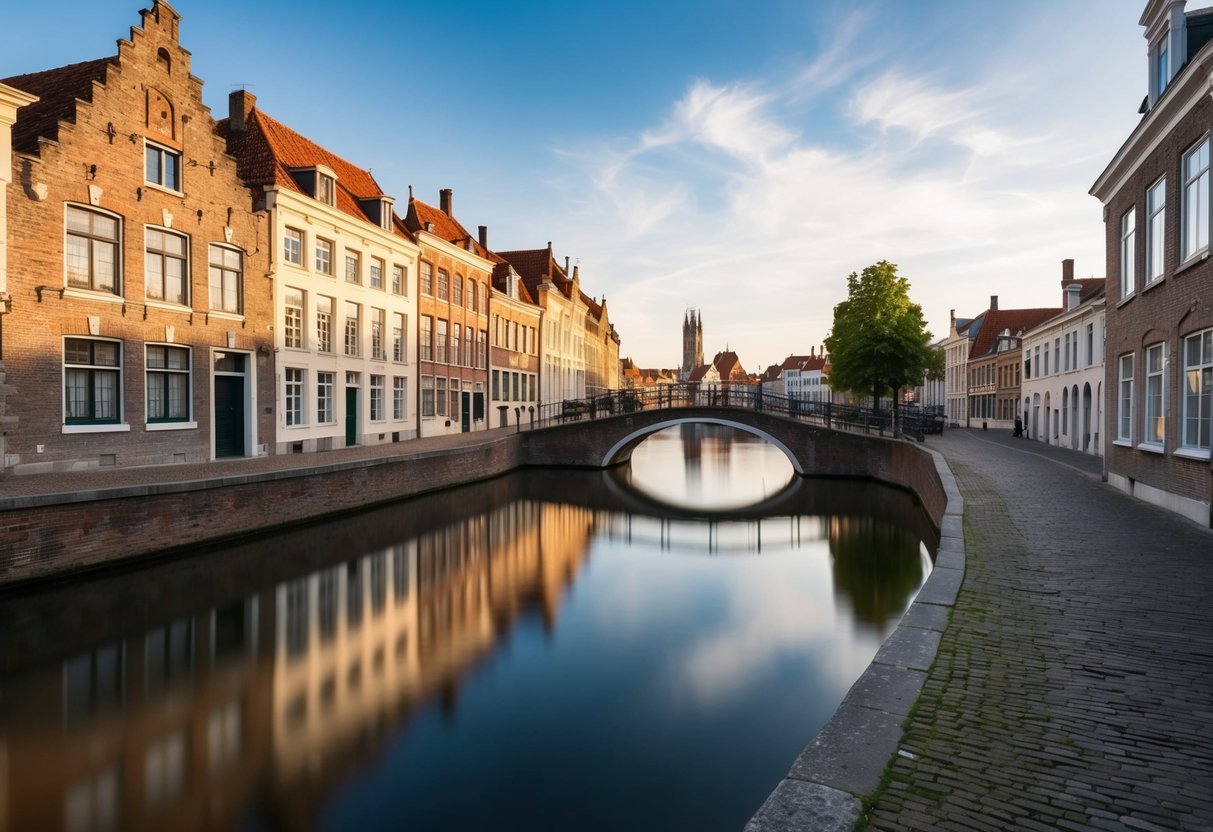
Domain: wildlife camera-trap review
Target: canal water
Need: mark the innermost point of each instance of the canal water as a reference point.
(645, 648)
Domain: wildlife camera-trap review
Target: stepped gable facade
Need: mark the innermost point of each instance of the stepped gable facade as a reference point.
(136, 323)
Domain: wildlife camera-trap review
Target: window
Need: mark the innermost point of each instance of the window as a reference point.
(1162, 66)
(294, 396)
(351, 328)
(1197, 386)
(1196, 200)
(427, 338)
(165, 276)
(1090, 344)
(482, 350)
(376, 273)
(324, 324)
(292, 246)
(440, 341)
(162, 166)
(91, 251)
(377, 334)
(427, 395)
(353, 267)
(456, 332)
(1156, 401)
(399, 334)
(496, 384)
(427, 278)
(457, 291)
(1124, 415)
(440, 395)
(292, 318)
(468, 358)
(92, 381)
(454, 398)
(224, 278)
(473, 295)
(399, 280)
(324, 256)
(168, 384)
(377, 393)
(324, 398)
(444, 281)
(1156, 204)
(325, 188)
(399, 385)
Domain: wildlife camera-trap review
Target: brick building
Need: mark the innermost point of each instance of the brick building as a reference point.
(514, 325)
(1159, 345)
(134, 330)
(455, 273)
(993, 369)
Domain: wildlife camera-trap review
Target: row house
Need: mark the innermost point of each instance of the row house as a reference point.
(135, 325)
(994, 376)
(723, 372)
(562, 338)
(341, 265)
(1062, 399)
(455, 273)
(515, 320)
(957, 346)
(1159, 341)
(801, 377)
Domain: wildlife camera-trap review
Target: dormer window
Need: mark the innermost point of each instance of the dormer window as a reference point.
(326, 188)
(385, 214)
(1161, 67)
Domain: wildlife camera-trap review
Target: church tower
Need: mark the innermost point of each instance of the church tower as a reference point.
(692, 343)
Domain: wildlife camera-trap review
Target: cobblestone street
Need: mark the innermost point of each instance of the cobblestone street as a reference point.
(1073, 688)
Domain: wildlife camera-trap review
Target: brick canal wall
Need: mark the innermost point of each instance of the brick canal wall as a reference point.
(52, 535)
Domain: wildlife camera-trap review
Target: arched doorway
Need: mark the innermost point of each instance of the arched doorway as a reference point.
(1036, 416)
(1086, 417)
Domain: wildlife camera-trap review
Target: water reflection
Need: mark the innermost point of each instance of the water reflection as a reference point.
(553, 659)
(724, 468)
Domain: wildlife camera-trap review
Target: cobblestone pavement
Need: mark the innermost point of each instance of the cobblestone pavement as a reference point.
(1073, 688)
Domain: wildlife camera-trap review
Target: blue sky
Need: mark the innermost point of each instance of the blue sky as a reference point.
(742, 158)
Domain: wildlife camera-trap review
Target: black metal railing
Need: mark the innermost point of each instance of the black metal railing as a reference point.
(914, 423)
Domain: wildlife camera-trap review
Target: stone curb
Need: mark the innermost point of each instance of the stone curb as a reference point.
(825, 787)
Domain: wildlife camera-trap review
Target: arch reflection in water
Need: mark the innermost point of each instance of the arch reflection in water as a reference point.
(708, 467)
(552, 656)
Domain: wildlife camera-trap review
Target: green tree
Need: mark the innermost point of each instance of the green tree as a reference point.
(879, 341)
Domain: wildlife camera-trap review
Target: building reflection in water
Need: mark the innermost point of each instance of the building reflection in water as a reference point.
(298, 665)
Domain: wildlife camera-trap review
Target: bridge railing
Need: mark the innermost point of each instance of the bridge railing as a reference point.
(750, 397)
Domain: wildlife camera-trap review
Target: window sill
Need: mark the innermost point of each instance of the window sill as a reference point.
(155, 426)
(112, 427)
(89, 294)
(1158, 281)
(1193, 261)
(1151, 447)
(164, 189)
(1192, 453)
(167, 306)
(1122, 443)
(226, 316)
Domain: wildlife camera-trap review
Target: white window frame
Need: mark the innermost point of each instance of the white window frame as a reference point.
(378, 390)
(294, 410)
(162, 152)
(1124, 401)
(1156, 231)
(91, 424)
(399, 398)
(224, 271)
(326, 386)
(169, 423)
(1197, 393)
(324, 323)
(1154, 404)
(293, 244)
(293, 316)
(323, 265)
(1195, 221)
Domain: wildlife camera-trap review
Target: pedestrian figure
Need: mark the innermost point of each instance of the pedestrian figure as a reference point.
(1018, 428)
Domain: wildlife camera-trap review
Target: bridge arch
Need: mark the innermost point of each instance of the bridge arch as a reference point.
(621, 451)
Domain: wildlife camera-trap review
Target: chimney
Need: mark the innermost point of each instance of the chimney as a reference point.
(1067, 270)
(953, 314)
(993, 303)
(1073, 291)
(444, 201)
(566, 265)
(484, 236)
(239, 104)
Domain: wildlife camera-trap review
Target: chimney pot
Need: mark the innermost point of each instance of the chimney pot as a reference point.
(993, 303)
(1067, 270)
(484, 236)
(444, 201)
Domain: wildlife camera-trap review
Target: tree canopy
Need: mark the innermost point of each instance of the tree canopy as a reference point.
(879, 340)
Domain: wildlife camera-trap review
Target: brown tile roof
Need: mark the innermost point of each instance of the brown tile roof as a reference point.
(446, 227)
(1017, 321)
(535, 265)
(267, 151)
(1092, 287)
(57, 91)
(729, 366)
(501, 272)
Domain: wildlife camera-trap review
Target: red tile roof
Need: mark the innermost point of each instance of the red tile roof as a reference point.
(267, 151)
(57, 91)
(1016, 321)
(446, 227)
(536, 265)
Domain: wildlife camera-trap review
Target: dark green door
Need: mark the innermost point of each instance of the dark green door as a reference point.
(229, 416)
(465, 416)
(351, 416)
